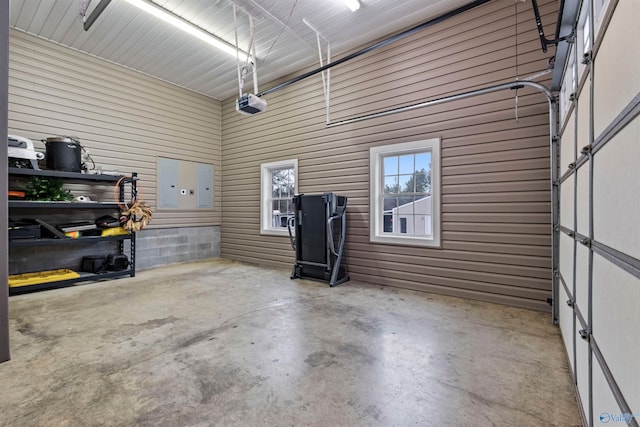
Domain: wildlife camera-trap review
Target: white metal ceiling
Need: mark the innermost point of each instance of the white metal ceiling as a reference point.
(284, 43)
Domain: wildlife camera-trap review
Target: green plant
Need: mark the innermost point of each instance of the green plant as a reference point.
(47, 189)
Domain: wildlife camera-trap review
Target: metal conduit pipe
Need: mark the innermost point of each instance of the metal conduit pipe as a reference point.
(553, 105)
(377, 45)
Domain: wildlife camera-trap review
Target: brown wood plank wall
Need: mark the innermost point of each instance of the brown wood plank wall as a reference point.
(125, 119)
(495, 170)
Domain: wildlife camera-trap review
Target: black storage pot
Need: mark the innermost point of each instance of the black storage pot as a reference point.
(64, 154)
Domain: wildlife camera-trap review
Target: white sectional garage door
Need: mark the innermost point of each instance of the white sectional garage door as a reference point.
(599, 247)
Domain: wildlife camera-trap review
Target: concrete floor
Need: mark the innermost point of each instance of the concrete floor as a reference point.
(223, 343)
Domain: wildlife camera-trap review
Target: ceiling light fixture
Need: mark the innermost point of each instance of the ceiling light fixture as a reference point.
(186, 26)
(353, 4)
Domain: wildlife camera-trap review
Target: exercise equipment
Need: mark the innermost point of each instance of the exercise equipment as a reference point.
(320, 227)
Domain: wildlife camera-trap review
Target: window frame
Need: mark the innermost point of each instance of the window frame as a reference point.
(376, 214)
(266, 212)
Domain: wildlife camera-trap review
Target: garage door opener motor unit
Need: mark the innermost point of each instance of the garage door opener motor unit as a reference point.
(320, 228)
(250, 104)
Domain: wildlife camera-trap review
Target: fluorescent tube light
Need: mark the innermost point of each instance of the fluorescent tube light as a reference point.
(353, 4)
(186, 26)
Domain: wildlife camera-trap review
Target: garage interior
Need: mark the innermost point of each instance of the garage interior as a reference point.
(486, 153)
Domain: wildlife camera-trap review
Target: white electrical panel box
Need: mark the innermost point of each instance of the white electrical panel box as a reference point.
(184, 185)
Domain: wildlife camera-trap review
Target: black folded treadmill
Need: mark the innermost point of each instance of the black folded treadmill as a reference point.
(320, 228)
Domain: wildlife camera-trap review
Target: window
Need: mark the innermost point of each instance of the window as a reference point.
(599, 8)
(279, 183)
(583, 39)
(568, 85)
(586, 32)
(405, 193)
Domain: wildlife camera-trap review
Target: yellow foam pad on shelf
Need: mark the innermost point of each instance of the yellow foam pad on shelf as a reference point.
(25, 279)
(115, 231)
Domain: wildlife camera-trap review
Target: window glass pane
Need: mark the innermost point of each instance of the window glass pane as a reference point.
(423, 183)
(390, 184)
(283, 183)
(419, 225)
(599, 7)
(279, 176)
(405, 203)
(403, 225)
(291, 183)
(406, 183)
(387, 223)
(390, 165)
(406, 164)
(422, 205)
(428, 224)
(280, 213)
(423, 162)
(389, 203)
(586, 39)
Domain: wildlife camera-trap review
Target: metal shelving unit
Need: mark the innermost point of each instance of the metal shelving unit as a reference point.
(67, 176)
(54, 242)
(38, 206)
(61, 205)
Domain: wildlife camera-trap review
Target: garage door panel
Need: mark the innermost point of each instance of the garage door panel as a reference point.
(616, 192)
(582, 278)
(616, 77)
(605, 407)
(616, 322)
(566, 259)
(566, 203)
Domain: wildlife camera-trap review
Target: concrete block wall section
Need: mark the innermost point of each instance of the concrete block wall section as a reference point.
(154, 247)
(163, 246)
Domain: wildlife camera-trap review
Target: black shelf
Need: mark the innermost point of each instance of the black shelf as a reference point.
(46, 209)
(76, 176)
(84, 277)
(61, 205)
(81, 240)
